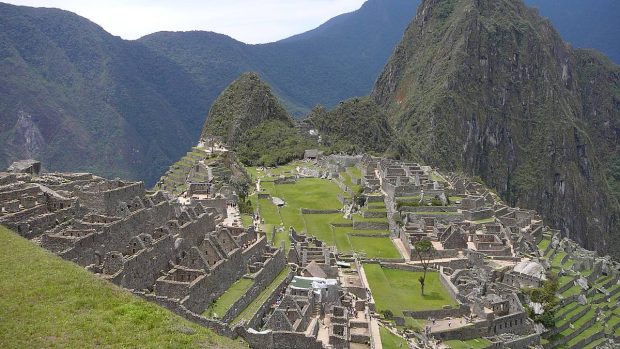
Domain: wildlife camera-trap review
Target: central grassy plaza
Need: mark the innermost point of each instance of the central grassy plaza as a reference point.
(318, 194)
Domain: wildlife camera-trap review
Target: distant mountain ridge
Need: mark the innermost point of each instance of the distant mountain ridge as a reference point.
(333, 62)
(80, 99)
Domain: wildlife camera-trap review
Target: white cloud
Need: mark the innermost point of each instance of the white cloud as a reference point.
(250, 21)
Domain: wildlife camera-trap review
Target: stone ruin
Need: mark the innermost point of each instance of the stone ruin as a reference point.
(181, 255)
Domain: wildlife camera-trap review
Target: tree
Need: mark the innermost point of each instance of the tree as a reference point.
(425, 251)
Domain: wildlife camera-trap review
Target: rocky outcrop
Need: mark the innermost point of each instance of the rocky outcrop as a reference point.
(488, 87)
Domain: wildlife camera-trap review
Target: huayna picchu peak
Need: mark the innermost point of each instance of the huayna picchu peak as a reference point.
(244, 105)
(471, 199)
(489, 88)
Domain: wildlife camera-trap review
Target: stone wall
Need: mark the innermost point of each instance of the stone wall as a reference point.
(460, 311)
(464, 333)
(223, 276)
(261, 281)
(374, 199)
(107, 201)
(523, 342)
(429, 209)
(116, 236)
(288, 340)
(357, 225)
(445, 281)
(308, 211)
(255, 321)
(173, 305)
(141, 270)
(563, 340)
(374, 214)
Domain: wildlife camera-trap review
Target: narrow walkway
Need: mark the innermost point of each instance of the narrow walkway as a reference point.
(375, 335)
(233, 218)
(401, 249)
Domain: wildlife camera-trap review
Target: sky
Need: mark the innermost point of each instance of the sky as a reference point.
(250, 21)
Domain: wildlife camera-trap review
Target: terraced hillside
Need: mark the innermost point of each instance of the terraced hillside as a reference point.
(54, 303)
(200, 165)
(588, 311)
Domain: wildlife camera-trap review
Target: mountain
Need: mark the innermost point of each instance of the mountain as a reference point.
(585, 24)
(81, 99)
(489, 88)
(250, 120)
(357, 125)
(244, 105)
(338, 60)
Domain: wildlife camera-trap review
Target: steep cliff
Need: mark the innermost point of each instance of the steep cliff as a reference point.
(489, 88)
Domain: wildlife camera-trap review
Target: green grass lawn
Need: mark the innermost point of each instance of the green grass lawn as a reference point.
(320, 194)
(348, 181)
(311, 193)
(355, 172)
(223, 304)
(543, 244)
(390, 340)
(319, 225)
(292, 217)
(48, 302)
(399, 290)
(557, 259)
(375, 206)
(478, 343)
(374, 247)
(247, 220)
(455, 199)
(252, 308)
(269, 212)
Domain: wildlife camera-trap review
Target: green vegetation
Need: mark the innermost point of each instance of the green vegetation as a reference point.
(225, 301)
(311, 193)
(251, 120)
(425, 252)
(390, 340)
(272, 143)
(253, 307)
(55, 303)
(436, 110)
(319, 194)
(373, 247)
(398, 290)
(244, 104)
(478, 343)
(547, 296)
(356, 125)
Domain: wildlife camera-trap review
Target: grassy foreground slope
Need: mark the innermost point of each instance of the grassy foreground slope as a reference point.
(48, 302)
